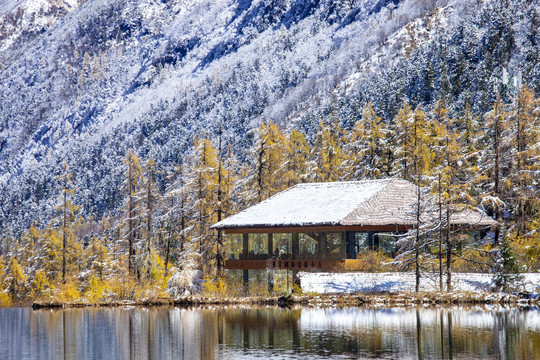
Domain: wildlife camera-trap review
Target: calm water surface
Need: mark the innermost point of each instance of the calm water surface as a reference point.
(239, 333)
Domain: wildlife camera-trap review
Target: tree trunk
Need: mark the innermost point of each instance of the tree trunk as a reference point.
(448, 250)
(219, 250)
(417, 243)
(168, 248)
(440, 238)
(131, 211)
(496, 146)
(64, 241)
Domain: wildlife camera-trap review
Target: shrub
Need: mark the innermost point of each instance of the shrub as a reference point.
(5, 300)
(215, 287)
(40, 285)
(373, 261)
(96, 290)
(68, 292)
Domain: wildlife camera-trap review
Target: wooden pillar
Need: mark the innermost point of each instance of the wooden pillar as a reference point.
(322, 245)
(245, 252)
(295, 255)
(245, 246)
(295, 246)
(270, 273)
(270, 246)
(343, 244)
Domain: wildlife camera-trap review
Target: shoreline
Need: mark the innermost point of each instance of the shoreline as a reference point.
(325, 300)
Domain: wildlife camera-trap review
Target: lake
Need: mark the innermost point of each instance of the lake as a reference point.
(270, 332)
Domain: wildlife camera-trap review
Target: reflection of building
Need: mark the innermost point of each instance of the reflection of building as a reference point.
(325, 226)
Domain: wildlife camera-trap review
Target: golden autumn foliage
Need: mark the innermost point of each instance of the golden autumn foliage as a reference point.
(40, 286)
(216, 287)
(462, 157)
(374, 261)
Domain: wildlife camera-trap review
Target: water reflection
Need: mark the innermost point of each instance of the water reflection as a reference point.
(240, 333)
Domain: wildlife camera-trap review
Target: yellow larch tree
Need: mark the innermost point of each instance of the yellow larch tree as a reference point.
(327, 154)
(297, 158)
(266, 166)
(202, 191)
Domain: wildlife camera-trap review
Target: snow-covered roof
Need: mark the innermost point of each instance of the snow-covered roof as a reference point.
(354, 203)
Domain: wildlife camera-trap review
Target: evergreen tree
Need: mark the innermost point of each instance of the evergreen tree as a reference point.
(202, 192)
(507, 271)
(495, 161)
(133, 183)
(178, 215)
(150, 199)
(364, 148)
(66, 210)
(525, 158)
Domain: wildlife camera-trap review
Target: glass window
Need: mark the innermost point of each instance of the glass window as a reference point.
(335, 245)
(257, 246)
(282, 245)
(309, 244)
(234, 245)
(356, 243)
(386, 243)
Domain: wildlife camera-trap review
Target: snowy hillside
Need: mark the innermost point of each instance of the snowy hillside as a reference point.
(84, 82)
(22, 20)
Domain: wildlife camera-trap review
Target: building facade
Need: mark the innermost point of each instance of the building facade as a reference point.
(325, 227)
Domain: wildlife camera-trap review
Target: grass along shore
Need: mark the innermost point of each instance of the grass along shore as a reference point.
(316, 300)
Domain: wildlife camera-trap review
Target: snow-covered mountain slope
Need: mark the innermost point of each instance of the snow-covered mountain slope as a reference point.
(21, 20)
(83, 82)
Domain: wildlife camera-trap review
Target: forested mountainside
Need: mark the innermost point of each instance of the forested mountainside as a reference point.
(144, 122)
(101, 77)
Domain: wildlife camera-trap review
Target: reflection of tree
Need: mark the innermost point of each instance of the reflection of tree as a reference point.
(205, 333)
(450, 342)
(418, 335)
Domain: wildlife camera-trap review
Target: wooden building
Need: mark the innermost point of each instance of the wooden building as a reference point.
(324, 226)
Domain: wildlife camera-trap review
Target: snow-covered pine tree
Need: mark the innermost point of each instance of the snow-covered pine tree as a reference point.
(132, 185)
(177, 216)
(524, 179)
(363, 148)
(201, 185)
(66, 210)
(353, 146)
(150, 202)
(506, 271)
(495, 161)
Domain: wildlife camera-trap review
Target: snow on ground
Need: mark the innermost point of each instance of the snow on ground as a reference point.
(324, 283)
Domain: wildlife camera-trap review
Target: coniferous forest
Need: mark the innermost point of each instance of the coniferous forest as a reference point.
(136, 127)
